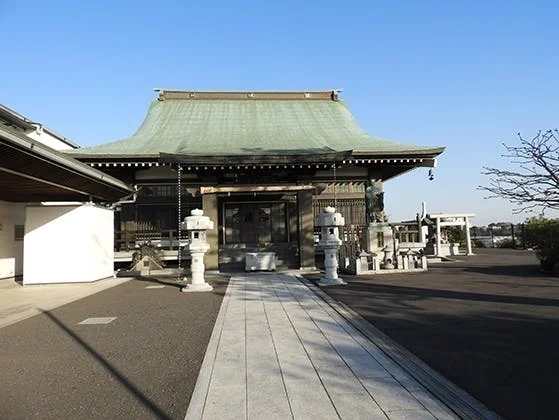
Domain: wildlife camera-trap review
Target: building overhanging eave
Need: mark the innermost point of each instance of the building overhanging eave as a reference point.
(256, 159)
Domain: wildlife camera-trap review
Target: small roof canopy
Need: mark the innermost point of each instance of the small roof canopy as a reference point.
(33, 172)
(214, 126)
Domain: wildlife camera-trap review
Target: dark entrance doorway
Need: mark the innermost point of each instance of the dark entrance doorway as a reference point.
(258, 224)
(255, 224)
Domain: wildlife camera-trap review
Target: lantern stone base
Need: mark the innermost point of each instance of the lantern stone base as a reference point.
(325, 281)
(204, 287)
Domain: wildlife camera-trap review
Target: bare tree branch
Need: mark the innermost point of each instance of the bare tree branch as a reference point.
(535, 184)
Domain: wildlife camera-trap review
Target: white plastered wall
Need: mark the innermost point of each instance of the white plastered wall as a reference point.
(68, 244)
(11, 250)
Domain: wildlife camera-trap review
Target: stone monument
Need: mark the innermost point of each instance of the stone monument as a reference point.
(378, 232)
(196, 225)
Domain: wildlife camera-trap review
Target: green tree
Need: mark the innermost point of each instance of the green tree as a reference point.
(542, 234)
(456, 234)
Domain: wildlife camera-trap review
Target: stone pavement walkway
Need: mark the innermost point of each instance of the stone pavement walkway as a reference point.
(280, 351)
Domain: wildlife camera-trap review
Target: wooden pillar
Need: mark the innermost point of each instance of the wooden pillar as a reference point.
(209, 205)
(306, 229)
(127, 237)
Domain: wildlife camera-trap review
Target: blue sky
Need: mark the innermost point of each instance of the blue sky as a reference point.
(466, 75)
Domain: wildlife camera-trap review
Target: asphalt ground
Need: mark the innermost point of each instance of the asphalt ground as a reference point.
(142, 365)
(489, 323)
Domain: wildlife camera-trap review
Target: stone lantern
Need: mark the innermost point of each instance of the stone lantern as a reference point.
(329, 222)
(411, 258)
(196, 226)
(388, 262)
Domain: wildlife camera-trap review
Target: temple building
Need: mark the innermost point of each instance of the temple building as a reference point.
(261, 165)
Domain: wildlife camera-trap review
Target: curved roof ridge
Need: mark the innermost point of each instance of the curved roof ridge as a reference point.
(170, 94)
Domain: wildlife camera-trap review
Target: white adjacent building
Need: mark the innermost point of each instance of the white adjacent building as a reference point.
(55, 226)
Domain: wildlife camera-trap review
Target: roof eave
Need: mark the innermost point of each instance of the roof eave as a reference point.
(333, 156)
(15, 118)
(65, 163)
(88, 157)
(427, 152)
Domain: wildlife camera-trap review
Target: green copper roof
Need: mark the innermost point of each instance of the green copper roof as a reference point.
(240, 123)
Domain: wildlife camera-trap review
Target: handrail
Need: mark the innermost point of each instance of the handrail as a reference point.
(128, 240)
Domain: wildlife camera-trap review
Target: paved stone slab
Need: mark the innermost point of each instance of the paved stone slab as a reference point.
(410, 415)
(358, 405)
(225, 402)
(98, 320)
(279, 351)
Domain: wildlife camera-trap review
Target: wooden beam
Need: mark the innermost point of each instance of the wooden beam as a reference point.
(254, 188)
(455, 223)
(311, 157)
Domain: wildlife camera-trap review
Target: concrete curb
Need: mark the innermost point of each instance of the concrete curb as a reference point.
(195, 409)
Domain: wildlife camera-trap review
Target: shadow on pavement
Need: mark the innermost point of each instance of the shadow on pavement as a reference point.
(523, 271)
(150, 405)
(489, 323)
(415, 293)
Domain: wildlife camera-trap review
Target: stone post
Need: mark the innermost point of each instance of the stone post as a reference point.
(438, 233)
(330, 243)
(196, 225)
(306, 230)
(468, 239)
(410, 255)
(210, 208)
(363, 261)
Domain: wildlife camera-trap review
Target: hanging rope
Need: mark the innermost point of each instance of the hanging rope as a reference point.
(335, 187)
(179, 195)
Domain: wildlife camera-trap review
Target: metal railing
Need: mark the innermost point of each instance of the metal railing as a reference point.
(353, 240)
(128, 240)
